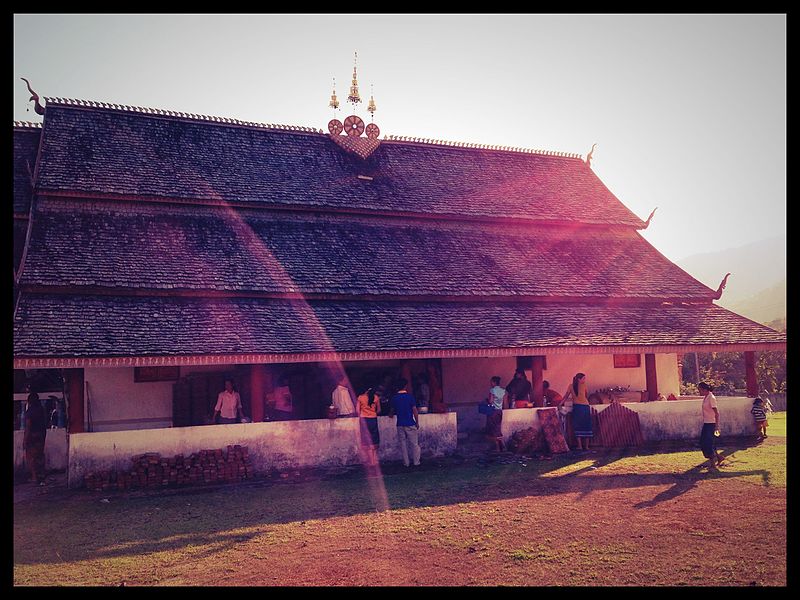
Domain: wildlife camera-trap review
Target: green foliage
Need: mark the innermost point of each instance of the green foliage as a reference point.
(771, 372)
(726, 372)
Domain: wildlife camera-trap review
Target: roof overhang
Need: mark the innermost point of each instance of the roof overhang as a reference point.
(227, 359)
(52, 331)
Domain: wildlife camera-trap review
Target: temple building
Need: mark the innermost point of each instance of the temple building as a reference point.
(157, 253)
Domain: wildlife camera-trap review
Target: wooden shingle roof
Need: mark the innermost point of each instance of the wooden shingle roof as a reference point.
(157, 247)
(121, 153)
(26, 144)
(167, 235)
(131, 326)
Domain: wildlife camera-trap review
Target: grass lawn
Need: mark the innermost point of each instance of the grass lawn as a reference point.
(651, 516)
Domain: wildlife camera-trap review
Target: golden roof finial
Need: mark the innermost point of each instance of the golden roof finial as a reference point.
(334, 104)
(354, 97)
(371, 107)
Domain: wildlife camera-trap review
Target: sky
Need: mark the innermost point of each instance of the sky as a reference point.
(688, 111)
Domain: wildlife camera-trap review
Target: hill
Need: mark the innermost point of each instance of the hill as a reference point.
(757, 286)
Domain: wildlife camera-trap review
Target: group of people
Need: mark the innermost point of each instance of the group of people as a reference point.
(575, 401)
(367, 406)
(403, 405)
(369, 403)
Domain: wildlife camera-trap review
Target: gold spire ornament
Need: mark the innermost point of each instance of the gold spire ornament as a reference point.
(371, 107)
(354, 97)
(334, 104)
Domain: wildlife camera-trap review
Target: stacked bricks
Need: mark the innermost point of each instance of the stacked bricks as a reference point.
(151, 470)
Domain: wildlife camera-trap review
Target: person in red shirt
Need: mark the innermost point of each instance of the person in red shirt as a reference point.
(551, 397)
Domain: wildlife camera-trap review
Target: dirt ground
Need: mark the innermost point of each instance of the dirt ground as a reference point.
(637, 517)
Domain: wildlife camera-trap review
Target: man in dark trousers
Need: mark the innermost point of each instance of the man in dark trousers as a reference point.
(404, 406)
(33, 440)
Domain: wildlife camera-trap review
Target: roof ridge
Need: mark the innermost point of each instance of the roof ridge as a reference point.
(300, 128)
(172, 113)
(499, 147)
(27, 124)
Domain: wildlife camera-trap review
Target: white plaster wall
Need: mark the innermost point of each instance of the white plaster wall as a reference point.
(681, 419)
(279, 444)
(118, 403)
(599, 370)
(668, 420)
(467, 379)
(667, 373)
(55, 450)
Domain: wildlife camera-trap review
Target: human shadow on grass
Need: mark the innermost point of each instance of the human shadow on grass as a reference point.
(225, 511)
(689, 479)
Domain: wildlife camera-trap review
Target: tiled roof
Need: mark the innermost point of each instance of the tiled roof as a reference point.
(130, 245)
(117, 152)
(91, 326)
(26, 145)
(20, 231)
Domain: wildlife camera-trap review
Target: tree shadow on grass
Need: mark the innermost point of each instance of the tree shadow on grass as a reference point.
(218, 516)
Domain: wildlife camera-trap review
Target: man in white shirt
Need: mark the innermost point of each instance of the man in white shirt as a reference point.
(229, 405)
(342, 399)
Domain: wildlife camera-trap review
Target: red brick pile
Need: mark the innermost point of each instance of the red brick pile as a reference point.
(526, 441)
(152, 470)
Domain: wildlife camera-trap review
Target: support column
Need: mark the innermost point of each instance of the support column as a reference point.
(258, 391)
(73, 383)
(650, 376)
(537, 390)
(750, 374)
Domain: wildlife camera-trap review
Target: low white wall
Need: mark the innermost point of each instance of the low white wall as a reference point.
(277, 444)
(668, 420)
(681, 419)
(55, 450)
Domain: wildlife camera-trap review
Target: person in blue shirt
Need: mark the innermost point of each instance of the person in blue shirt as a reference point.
(404, 406)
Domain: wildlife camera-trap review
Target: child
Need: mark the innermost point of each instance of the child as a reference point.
(760, 415)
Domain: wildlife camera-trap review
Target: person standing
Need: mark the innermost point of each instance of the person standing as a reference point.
(342, 400)
(760, 416)
(498, 398)
(424, 391)
(519, 390)
(404, 406)
(551, 397)
(34, 438)
(581, 411)
(229, 405)
(282, 401)
(369, 405)
(710, 431)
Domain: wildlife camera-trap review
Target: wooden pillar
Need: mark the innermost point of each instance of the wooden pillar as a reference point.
(750, 374)
(537, 390)
(258, 391)
(650, 376)
(73, 384)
